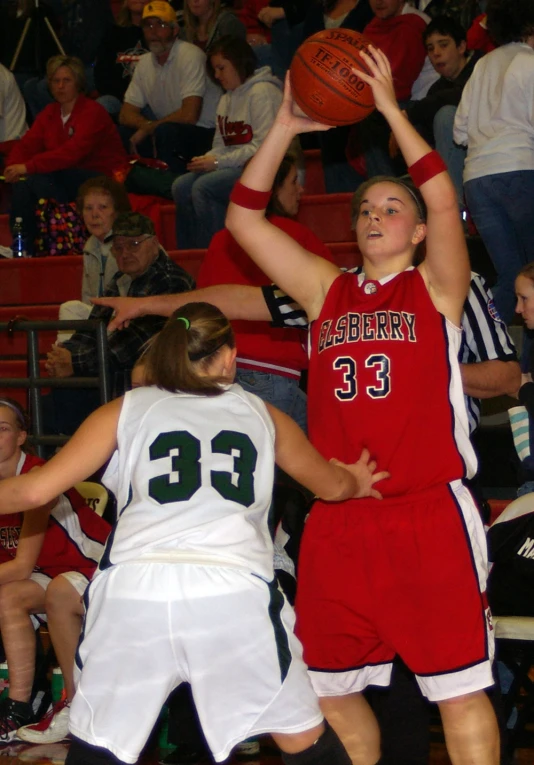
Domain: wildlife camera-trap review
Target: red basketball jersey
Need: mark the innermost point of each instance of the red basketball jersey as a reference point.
(74, 539)
(384, 375)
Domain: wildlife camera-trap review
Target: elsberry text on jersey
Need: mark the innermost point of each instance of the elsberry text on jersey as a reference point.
(360, 327)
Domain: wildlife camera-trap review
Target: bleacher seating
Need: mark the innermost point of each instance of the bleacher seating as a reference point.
(328, 216)
(17, 368)
(314, 181)
(16, 344)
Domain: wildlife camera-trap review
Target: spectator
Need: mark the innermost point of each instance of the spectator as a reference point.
(244, 115)
(118, 55)
(285, 19)
(206, 22)
(64, 540)
(170, 80)
(99, 201)
(148, 271)
(12, 109)
(36, 50)
(433, 115)
(494, 119)
(71, 140)
(399, 36)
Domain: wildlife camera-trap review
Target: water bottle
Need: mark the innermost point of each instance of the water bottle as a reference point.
(4, 681)
(57, 684)
(19, 246)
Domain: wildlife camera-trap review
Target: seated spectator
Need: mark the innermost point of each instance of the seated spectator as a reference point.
(144, 269)
(205, 22)
(99, 201)
(258, 34)
(399, 36)
(494, 119)
(12, 109)
(478, 36)
(433, 115)
(83, 24)
(171, 81)
(339, 176)
(71, 140)
(61, 541)
(118, 55)
(284, 18)
(244, 115)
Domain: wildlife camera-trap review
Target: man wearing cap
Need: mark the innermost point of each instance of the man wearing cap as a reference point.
(169, 84)
(145, 269)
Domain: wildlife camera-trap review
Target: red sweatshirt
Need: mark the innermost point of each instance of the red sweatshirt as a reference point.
(401, 39)
(88, 140)
(276, 350)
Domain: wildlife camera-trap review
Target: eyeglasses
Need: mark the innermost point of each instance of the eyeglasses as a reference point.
(157, 24)
(129, 245)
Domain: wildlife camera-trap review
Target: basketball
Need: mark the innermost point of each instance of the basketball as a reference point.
(323, 83)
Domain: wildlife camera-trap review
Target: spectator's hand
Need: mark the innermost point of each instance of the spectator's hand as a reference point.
(268, 15)
(202, 164)
(365, 475)
(13, 173)
(125, 309)
(59, 362)
(137, 138)
(256, 39)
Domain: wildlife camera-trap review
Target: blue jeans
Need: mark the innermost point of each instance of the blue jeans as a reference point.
(282, 392)
(452, 154)
(501, 207)
(201, 202)
(284, 42)
(111, 104)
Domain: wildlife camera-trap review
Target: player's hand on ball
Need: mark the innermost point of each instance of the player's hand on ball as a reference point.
(381, 80)
(293, 117)
(364, 472)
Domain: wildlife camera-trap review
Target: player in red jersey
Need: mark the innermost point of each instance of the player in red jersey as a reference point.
(407, 574)
(65, 538)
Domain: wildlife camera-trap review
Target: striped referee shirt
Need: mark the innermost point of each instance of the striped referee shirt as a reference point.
(484, 334)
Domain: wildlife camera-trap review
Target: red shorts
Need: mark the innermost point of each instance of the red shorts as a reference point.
(399, 576)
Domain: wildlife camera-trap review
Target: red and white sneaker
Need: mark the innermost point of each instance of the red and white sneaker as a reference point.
(53, 727)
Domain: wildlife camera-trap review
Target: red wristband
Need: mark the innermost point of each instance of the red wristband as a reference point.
(249, 198)
(427, 167)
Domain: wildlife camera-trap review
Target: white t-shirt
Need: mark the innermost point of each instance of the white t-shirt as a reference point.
(163, 88)
(495, 117)
(12, 109)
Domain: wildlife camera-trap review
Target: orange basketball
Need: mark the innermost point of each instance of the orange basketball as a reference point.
(322, 80)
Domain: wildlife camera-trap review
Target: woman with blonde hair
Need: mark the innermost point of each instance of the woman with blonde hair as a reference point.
(71, 140)
(205, 21)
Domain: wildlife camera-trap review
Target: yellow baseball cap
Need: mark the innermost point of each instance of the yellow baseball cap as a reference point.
(161, 9)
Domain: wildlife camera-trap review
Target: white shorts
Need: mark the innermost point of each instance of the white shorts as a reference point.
(151, 626)
(79, 582)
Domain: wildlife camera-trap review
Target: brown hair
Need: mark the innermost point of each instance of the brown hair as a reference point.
(102, 183)
(191, 21)
(23, 421)
(179, 357)
(286, 165)
(124, 16)
(527, 271)
(74, 64)
(238, 52)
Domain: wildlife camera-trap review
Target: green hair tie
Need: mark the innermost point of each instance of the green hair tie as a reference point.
(185, 321)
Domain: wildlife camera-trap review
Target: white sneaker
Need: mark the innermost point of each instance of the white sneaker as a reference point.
(53, 727)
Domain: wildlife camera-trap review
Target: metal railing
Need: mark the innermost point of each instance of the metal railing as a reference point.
(34, 382)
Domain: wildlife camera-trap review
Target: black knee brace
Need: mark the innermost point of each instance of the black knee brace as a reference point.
(81, 753)
(327, 750)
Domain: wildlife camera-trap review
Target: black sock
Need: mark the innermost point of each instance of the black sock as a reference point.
(327, 749)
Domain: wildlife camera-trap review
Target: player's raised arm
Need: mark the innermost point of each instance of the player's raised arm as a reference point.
(93, 443)
(332, 481)
(446, 267)
(302, 274)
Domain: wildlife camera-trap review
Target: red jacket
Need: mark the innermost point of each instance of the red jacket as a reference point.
(89, 140)
(259, 344)
(401, 39)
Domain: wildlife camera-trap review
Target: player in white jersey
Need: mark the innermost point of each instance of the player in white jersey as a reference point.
(185, 589)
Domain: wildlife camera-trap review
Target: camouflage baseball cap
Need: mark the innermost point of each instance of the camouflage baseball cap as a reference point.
(161, 10)
(132, 224)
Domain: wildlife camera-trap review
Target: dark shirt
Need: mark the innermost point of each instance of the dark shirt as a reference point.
(116, 60)
(295, 10)
(356, 19)
(83, 26)
(163, 277)
(443, 92)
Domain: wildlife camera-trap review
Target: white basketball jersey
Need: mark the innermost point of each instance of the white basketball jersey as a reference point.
(193, 480)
